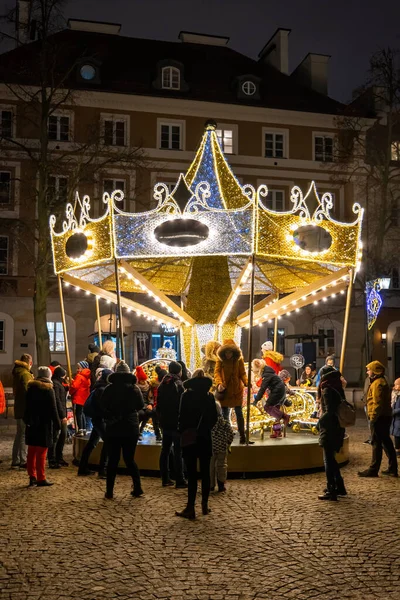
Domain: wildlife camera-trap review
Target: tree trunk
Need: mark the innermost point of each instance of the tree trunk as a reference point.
(40, 316)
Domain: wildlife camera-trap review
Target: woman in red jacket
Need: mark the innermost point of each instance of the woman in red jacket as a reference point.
(80, 390)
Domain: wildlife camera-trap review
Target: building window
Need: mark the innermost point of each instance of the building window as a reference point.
(87, 72)
(395, 279)
(395, 151)
(281, 338)
(3, 255)
(275, 200)
(170, 138)
(326, 342)
(6, 124)
(109, 185)
(274, 145)
(56, 335)
(57, 188)
(171, 78)
(5, 187)
(58, 128)
(2, 340)
(249, 88)
(323, 148)
(115, 132)
(225, 138)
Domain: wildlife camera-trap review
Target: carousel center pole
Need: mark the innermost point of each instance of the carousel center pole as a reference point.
(250, 340)
(346, 320)
(120, 327)
(276, 331)
(99, 332)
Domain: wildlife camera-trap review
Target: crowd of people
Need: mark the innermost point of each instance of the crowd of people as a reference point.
(190, 414)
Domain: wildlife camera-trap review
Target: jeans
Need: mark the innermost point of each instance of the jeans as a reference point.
(36, 462)
(191, 454)
(226, 411)
(98, 431)
(128, 447)
(55, 454)
(19, 448)
(219, 467)
(80, 417)
(145, 415)
(334, 479)
(171, 438)
(380, 439)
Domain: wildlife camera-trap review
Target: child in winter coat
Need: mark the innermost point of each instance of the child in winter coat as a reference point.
(80, 390)
(395, 430)
(276, 399)
(222, 438)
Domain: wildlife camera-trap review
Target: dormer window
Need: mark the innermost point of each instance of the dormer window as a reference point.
(87, 72)
(171, 78)
(249, 88)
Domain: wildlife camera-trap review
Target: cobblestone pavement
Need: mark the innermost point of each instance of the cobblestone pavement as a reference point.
(266, 538)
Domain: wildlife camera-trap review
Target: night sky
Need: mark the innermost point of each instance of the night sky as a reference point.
(348, 30)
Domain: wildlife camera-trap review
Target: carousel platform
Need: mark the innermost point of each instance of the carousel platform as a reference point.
(295, 453)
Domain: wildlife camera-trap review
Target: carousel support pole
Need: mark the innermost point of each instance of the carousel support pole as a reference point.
(276, 334)
(99, 332)
(346, 320)
(64, 324)
(120, 328)
(250, 340)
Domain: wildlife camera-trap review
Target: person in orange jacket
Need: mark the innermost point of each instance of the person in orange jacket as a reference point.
(80, 390)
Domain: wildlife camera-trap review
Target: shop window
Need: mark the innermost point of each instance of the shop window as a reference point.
(281, 338)
(56, 335)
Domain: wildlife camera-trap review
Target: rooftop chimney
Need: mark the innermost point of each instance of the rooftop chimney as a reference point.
(276, 51)
(190, 37)
(22, 21)
(94, 26)
(312, 72)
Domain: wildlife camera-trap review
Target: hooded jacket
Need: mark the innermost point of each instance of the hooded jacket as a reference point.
(275, 385)
(198, 410)
(331, 434)
(41, 417)
(378, 395)
(273, 359)
(121, 402)
(210, 357)
(231, 374)
(169, 395)
(21, 377)
(80, 387)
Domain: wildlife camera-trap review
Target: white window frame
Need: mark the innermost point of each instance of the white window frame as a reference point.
(115, 118)
(276, 131)
(172, 123)
(323, 134)
(235, 129)
(53, 341)
(10, 197)
(272, 196)
(116, 179)
(171, 69)
(58, 114)
(8, 255)
(57, 186)
(11, 109)
(130, 185)
(244, 83)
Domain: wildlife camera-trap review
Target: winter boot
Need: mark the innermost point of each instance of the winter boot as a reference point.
(187, 513)
(276, 431)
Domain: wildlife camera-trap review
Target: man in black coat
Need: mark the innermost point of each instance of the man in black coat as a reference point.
(94, 409)
(55, 454)
(122, 400)
(168, 403)
(41, 418)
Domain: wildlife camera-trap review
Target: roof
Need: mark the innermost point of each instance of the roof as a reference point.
(130, 65)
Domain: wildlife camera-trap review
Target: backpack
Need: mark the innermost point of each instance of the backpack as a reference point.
(88, 408)
(346, 414)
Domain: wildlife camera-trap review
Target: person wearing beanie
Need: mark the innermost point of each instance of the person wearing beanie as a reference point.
(107, 349)
(22, 375)
(379, 411)
(169, 395)
(230, 378)
(55, 453)
(122, 400)
(95, 411)
(80, 390)
(149, 411)
(272, 358)
(41, 420)
(331, 434)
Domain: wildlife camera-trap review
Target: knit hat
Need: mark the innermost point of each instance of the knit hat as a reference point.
(376, 367)
(83, 364)
(328, 372)
(44, 373)
(93, 348)
(284, 375)
(140, 374)
(104, 374)
(107, 362)
(122, 367)
(174, 368)
(59, 373)
(267, 346)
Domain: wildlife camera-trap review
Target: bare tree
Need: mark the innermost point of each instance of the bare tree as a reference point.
(39, 79)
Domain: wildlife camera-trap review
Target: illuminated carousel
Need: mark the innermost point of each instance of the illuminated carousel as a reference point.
(208, 241)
